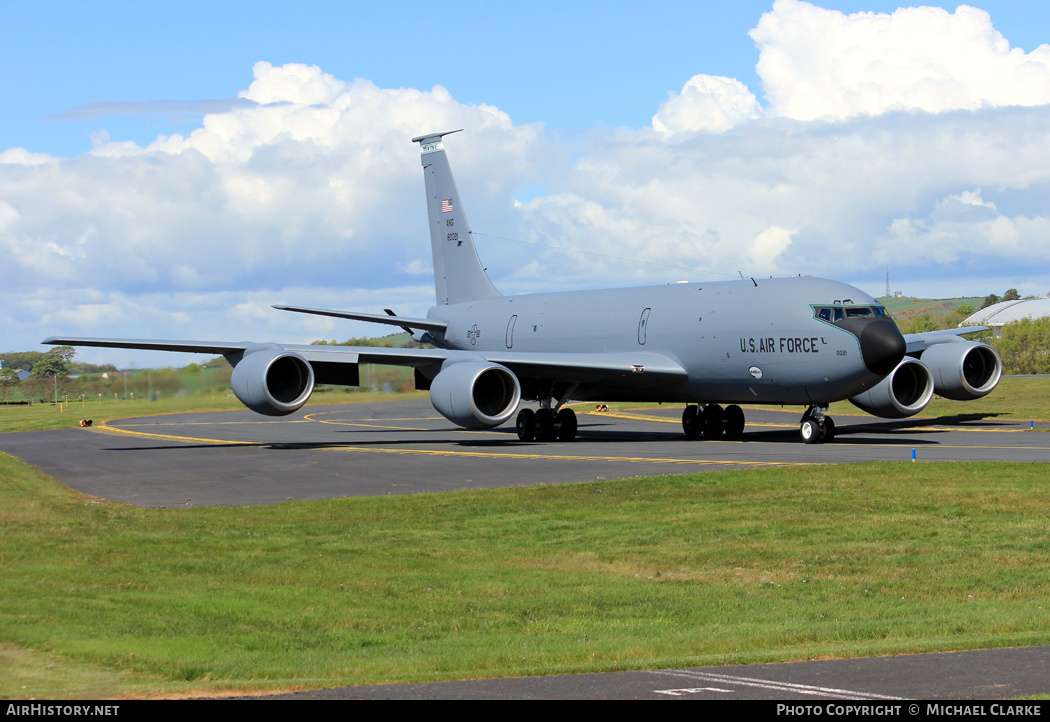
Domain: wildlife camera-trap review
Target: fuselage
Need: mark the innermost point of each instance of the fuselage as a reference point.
(758, 341)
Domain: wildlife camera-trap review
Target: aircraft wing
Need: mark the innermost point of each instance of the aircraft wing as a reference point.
(572, 367)
(589, 367)
(918, 342)
(311, 352)
(211, 347)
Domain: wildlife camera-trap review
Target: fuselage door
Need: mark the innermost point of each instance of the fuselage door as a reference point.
(510, 331)
(642, 323)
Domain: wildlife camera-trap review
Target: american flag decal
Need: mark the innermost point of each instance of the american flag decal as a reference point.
(446, 205)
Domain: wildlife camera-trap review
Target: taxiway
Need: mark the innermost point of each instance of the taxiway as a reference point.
(404, 447)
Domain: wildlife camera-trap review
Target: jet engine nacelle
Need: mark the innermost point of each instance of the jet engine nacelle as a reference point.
(963, 370)
(272, 381)
(475, 394)
(905, 392)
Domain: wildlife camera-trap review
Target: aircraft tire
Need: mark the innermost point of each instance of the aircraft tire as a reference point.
(809, 429)
(711, 421)
(545, 425)
(734, 421)
(691, 423)
(566, 425)
(526, 424)
(829, 429)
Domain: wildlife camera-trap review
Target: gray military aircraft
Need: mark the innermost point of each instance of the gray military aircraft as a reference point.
(795, 341)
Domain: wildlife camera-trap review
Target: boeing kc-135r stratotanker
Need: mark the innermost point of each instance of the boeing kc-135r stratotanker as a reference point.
(796, 341)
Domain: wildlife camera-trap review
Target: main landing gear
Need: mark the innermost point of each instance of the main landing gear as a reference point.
(711, 421)
(815, 427)
(546, 425)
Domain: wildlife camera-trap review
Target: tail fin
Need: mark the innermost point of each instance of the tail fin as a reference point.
(458, 273)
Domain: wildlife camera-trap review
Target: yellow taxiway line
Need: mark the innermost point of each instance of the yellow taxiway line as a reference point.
(104, 428)
(564, 457)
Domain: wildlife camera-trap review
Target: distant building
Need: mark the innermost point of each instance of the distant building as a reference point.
(999, 314)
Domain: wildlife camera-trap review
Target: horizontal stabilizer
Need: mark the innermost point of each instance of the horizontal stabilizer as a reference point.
(424, 324)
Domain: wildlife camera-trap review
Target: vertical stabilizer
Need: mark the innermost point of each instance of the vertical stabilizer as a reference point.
(458, 273)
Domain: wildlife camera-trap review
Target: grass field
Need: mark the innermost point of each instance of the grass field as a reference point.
(100, 599)
(906, 306)
(48, 416)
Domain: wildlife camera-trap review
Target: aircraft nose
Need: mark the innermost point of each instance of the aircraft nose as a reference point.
(881, 344)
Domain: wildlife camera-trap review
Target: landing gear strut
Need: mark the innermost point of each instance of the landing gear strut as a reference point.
(711, 421)
(815, 427)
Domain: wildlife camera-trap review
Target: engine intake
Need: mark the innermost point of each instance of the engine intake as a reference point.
(273, 382)
(905, 392)
(963, 370)
(475, 395)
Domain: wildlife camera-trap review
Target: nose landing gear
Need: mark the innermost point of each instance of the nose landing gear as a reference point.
(815, 427)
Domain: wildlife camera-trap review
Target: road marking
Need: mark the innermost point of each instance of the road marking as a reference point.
(370, 426)
(805, 689)
(104, 428)
(116, 430)
(310, 417)
(564, 457)
(209, 423)
(691, 690)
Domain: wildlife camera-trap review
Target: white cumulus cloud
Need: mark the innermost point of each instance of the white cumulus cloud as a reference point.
(818, 63)
(707, 103)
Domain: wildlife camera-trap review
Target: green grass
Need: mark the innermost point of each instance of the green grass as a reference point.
(47, 416)
(103, 599)
(907, 306)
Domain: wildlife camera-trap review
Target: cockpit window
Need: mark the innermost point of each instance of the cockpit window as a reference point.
(837, 312)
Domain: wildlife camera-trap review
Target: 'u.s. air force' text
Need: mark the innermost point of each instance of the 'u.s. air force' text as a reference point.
(781, 345)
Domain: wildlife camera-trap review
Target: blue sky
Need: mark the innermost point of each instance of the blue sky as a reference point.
(573, 65)
(170, 171)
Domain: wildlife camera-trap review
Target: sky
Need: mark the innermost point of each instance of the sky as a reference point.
(171, 171)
